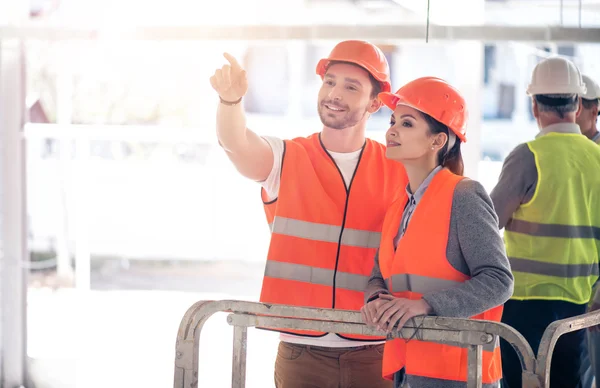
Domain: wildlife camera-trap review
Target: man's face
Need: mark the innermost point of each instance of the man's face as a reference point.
(345, 96)
(587, 119)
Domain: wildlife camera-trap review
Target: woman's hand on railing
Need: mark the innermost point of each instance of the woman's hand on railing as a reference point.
(369, 311)
(391, 311)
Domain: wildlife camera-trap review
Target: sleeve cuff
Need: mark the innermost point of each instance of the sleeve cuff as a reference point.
(435, 306)
(376, 294)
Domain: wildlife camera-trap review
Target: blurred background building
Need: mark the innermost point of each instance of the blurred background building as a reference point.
(119, 208)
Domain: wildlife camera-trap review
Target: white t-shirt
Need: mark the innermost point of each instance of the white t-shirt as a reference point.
(346, 162)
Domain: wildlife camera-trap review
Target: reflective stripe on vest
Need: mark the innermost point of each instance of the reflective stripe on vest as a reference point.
(419, 284)
(553, 269)
(553, 240)
(553, 230)
(315, 275)
(324, 235)
(324, 232)
(419, 265)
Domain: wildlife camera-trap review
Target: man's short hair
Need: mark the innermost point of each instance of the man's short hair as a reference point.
(376, 85)
(589, 104)
(560, 104)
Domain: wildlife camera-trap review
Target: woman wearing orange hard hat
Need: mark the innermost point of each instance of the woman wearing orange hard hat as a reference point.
(440, 252)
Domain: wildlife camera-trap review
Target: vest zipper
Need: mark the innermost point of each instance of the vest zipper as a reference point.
(339, 247)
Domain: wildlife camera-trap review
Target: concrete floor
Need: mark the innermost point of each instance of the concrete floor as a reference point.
(121, 337)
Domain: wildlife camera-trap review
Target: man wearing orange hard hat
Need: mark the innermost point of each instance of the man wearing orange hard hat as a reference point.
(324, 197)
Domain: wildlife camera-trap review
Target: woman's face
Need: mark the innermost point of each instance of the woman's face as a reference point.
(409, 136)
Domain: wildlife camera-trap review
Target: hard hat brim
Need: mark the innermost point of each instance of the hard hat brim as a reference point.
(392, 100)
(389, 99)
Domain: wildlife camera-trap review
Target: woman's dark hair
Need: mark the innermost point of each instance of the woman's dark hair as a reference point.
(451, 159)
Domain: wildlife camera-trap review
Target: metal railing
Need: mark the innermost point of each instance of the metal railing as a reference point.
(553, 332)
(471, 334)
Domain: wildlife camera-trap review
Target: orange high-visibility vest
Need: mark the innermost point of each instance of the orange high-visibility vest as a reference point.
(419, 265)
(323, 236)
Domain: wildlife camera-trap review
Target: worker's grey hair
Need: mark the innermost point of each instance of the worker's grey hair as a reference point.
(571, 103)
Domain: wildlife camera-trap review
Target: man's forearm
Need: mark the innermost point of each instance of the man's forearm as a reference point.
(231, 127)
(251, 155)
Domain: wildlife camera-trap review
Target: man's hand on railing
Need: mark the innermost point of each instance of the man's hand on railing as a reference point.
(387, 311)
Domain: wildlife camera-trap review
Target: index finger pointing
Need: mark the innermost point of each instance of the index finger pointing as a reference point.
(234, 63)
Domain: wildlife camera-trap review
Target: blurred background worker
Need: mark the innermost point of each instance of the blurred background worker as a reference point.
(325, 197)
(587, 121)
(588, 118)
(547, 200)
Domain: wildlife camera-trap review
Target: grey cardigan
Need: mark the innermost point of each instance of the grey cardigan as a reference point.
(476, 249)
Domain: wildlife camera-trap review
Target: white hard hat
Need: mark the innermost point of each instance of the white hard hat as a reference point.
(593, 90)
(556, 75)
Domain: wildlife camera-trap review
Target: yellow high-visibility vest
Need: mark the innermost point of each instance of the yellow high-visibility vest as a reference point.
(553, 241)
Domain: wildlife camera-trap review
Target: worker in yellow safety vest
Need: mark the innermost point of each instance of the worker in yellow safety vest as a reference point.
(548, 202)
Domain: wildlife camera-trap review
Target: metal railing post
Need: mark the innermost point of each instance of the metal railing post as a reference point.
(553, 332)
(475, 358)
(238, 371)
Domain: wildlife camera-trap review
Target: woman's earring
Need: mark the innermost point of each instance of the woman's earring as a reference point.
(432, 147)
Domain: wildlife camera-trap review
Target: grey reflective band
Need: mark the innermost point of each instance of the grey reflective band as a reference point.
(552, 230)
(315, 275)
(324, 232)
(419, 284)
(553, 269)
